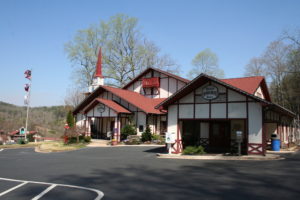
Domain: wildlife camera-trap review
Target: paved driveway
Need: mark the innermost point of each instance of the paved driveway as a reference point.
(136, 173)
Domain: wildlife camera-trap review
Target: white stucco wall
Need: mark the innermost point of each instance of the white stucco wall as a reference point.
(202, 111)
(79, 120)
(188, 98)
(255, 123)
(237, 110)
(234, 96)
(259, 93)
(218, 110)
(172, 119)
(186, 111)
(164, 88)
(141, 121)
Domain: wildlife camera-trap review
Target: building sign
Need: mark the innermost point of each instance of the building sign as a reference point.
(101, 108)
(150, 82)
(170, 138)
(210, 92)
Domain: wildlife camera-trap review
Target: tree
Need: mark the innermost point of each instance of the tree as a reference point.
(276, 61)
(73, 97)
(126, 52)
(146, 135)
(256, 67)
(70, 119)
(205, 62)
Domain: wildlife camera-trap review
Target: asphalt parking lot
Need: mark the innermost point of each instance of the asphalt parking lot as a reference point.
(136, 173)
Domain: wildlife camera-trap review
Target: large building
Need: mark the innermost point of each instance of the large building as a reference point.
(205, 111)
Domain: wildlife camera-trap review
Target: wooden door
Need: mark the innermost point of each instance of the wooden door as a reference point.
(219, 138)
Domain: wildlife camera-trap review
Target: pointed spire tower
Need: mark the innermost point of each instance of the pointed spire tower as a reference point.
(98, 77)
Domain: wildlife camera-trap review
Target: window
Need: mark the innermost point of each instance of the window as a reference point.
(141, 128)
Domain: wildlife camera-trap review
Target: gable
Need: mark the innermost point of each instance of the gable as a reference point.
(168, 83)
(236, 93)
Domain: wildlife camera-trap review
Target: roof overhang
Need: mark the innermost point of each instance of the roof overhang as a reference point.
(109, 103)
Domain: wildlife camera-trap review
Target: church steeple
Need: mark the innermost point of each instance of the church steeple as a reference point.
(99, 65)
(98, 78)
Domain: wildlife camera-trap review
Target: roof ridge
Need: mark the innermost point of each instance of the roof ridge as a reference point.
(242, 77)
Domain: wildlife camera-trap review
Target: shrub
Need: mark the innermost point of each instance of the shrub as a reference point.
(21, 141)
(146, 136)
(87, 139)
(30, 138)
(194, 150)
(72, 140)
(158, 139)
(127, 130)
(133, 139)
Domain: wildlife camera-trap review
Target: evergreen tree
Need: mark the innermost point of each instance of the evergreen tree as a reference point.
(146, 136)
(70, 119)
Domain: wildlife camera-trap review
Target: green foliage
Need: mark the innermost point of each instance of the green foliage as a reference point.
(21, 141)
(146, 135)
(30, 138)
(70, 119)
(125, 51)
(87, 139)
(158, 139)
(193, 150)
(206, 62)
(128, 130)
(82, 139)
(133, 139)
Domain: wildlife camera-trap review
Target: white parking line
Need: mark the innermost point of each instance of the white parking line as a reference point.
(1, 150)
(13, 188)
(44, 192)
(52, 185)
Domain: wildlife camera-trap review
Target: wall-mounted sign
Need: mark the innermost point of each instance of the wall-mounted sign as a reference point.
(210, 92)
(150, 82)
(101, 108)
(170, 138)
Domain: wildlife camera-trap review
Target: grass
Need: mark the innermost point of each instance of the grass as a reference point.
(13, 146)
(58, 146)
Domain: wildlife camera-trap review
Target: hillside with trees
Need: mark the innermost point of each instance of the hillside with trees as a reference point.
(49, 121)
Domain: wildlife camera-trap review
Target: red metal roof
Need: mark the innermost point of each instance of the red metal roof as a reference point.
(113, 105)
(145, 104)
(247, 84)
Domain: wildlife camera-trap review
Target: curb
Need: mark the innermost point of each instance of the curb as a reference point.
(219, 157)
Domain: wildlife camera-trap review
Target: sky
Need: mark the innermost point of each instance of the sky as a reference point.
(33, 34)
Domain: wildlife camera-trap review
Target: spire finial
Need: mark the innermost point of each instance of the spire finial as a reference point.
(99, 65)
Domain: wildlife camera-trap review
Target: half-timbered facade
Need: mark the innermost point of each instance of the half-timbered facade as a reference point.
(209, 112)
(108, 109)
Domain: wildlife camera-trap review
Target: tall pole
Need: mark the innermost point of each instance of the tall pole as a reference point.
(28, 105)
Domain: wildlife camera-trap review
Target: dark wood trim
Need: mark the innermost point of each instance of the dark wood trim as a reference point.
(212, 119)
(213, 102)
(168, 86)
(247, 123)
(226, 103)
(194, 106)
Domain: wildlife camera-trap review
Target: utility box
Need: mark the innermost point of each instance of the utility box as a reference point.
(239, 140)
(239, 136)
(170, 138)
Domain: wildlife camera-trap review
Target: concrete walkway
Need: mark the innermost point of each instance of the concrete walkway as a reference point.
(98, 143)
(220, 157)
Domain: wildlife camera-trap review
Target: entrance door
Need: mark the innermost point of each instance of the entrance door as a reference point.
(219, 138)
(191, 133)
